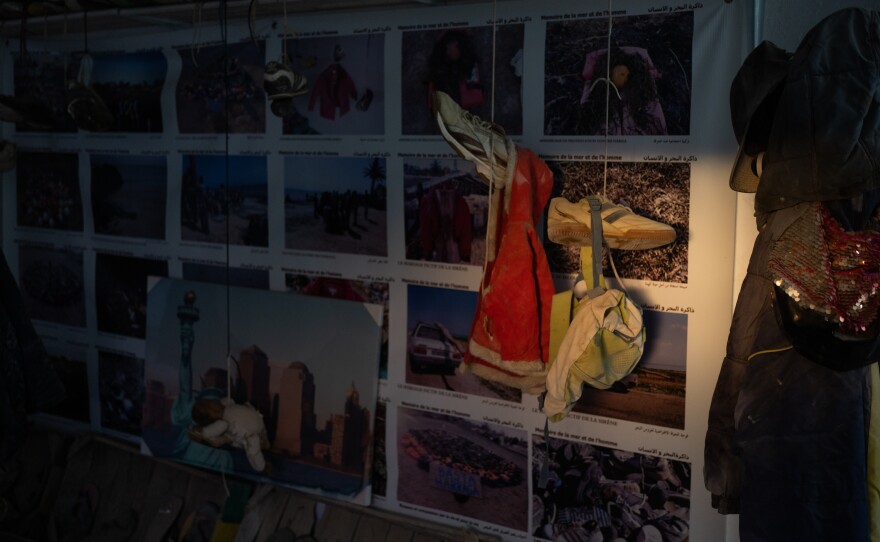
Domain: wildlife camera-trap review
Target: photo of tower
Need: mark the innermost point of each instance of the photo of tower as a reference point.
(298, 422)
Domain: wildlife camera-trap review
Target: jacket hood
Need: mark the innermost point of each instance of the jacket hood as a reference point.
(824, 142)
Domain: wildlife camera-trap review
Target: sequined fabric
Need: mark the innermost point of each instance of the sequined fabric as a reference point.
(829, 270)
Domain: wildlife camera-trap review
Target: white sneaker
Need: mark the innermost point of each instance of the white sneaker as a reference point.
(483, 143)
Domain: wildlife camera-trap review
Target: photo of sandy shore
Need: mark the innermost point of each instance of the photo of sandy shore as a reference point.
(223, 195)
(335, 204)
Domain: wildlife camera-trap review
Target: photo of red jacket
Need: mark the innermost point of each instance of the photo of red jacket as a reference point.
(334, 88)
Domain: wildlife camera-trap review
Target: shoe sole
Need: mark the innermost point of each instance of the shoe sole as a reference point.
(298, 92)
(579, 236)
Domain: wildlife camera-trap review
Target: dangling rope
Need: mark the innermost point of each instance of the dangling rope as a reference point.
(223, 30)
(491, 208)
(197, 33)
(609, 85)
(492, 86)
(284, 58)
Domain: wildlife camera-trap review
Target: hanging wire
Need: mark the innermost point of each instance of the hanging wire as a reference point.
(492, 75)
(284, 59)
(22, 36)
(492, 208)
(223, 33)
(609, 84)
(197, 33)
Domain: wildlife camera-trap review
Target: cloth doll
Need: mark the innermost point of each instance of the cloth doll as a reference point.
(634, 106)
(225, 422)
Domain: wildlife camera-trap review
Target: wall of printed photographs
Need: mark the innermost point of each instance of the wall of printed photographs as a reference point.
(331, 200)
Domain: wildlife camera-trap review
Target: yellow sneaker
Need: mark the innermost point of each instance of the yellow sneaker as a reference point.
(569, 224)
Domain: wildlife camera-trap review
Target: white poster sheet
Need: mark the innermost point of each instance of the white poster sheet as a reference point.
(334, 200)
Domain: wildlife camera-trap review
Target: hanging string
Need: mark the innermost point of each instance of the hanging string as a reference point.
(491, 209)
(284, 59)
(223, 34)
(492, 84)
(197, 33)
(609, 85)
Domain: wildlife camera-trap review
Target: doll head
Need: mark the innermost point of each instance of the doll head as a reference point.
(207, 411)
(619, 76)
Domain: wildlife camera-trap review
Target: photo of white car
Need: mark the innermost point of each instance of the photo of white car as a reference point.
(432, 349)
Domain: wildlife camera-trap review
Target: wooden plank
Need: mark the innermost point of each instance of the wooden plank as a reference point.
(299, 515)
(165, 482)
(337, 525)
(111, 478)
(271, 511)
(201, 490)
(371, 529)
(398, 533)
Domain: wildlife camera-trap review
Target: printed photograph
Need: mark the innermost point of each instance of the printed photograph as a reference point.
(645, 78)
(121, 389)
(128, 195)
(47, 190)
(359, 291)
(217, 189)
(599, 493)
(438, 324)
(121, 292)
(299, 406)
(52, 284)
(464, 467)
(221, 274)
(654, 393)
(458, 61)
(71, 367)
(40, 84)
(346, 85)
(335, 204)
(446, 207)
(656, 191)
(201, 90)
(130, 84)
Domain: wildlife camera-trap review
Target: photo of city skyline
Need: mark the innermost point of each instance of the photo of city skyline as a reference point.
(308, 365)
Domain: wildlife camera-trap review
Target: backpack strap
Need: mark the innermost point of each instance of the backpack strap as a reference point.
(544, 476)
(562, 308)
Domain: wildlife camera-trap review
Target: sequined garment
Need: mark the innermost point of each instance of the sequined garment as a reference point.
(829, 270)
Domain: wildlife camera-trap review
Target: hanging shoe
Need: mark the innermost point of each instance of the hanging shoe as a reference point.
(569, 224)
(474, 139)
(365, 100)
(279, 81)
(88, 109)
